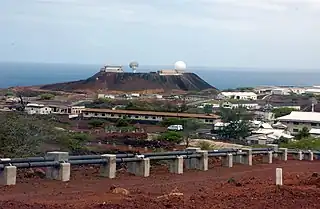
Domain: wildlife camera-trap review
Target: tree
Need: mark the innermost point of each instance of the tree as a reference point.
(303, 133)
(46, 96)
(279, 112)
(95, 123)
(190, 126)
(122, 122)
(207, 109)
(238, 124)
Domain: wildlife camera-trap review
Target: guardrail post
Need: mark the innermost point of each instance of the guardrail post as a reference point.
(247, 159)
(109, 169)
(8, 175)
(268, 157)
(141, 167)
(284, 154)
(191, 162)
(202, 162)
(309, 155)
(275, 149)
(299, 156)
(62, 172)
(238, 158)
(176, 165)
(227, 161)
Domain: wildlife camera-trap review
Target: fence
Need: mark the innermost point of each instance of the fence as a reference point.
(58, 164)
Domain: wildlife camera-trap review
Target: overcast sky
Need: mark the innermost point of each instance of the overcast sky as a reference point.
(217, 33)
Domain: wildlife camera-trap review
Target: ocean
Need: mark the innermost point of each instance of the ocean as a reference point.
(26, 74)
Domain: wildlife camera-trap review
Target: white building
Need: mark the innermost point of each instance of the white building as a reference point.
(268, 135)
(315, 91)
(280, 91)
(37, 109)
(295, 121)
(112, 69)
(240, 95)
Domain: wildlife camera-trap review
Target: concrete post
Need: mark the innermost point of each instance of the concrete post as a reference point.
(129, 147)
(279, 180)
(176, 166)
(299, 156)
(61, 172)
(247, 159)
(140, 168)
(268, 157)
(275, 149)
(8, 175)
(109, 169)
(202, 162)
(190, 163)
(309, 155)
(284, 154)
(238, 158)
(227, 161)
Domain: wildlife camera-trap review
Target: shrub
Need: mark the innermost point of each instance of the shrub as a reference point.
(46, 96)
(171, 136)
(205, 145)
(95, 123)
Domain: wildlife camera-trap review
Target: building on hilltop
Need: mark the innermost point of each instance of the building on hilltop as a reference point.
(171, 72)
(112, 69)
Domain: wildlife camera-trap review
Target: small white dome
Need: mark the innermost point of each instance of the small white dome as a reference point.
(180, 65)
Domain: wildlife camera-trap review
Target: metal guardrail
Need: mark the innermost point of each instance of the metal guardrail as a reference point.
(32, 162)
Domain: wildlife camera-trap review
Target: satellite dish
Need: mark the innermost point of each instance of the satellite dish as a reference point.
(134, 65)
(180, 65)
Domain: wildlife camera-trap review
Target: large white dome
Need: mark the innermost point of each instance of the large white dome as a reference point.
(180, 65)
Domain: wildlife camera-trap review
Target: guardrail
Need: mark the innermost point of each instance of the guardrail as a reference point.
(58, 163)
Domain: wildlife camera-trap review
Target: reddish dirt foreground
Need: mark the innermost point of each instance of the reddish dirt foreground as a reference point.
(220, 187)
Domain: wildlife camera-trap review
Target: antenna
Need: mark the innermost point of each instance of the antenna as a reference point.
(134, 65)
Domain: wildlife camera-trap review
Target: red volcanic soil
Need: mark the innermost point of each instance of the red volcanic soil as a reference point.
(251, 187)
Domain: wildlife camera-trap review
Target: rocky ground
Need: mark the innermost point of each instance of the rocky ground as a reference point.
(238, 187)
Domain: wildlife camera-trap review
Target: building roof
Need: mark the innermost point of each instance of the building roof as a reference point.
(165, 114)
(315, 131)
(301, 117)
(239, 93)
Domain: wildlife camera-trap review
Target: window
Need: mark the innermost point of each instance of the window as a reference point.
(136, 116)
(112, 115)
(96, 114)
(154, 118)
(313, 124)
(146, 117)
(210, 120)
(86, 113)
(295, 130)
(103, 114)
(295, 123)
(206, 120)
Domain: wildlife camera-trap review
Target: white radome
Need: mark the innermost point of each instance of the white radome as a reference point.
(180, 65)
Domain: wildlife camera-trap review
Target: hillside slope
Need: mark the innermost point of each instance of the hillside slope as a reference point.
(133, 82)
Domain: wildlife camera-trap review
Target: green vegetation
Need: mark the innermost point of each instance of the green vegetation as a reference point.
(24, 135)
(279, 112)
(207, 109)
(171, 136)
(241, 89)
(96, 123)
(303, 133)
(238, 124)
(304, 144)
(122, 122)
(47, 96)
(9, 93)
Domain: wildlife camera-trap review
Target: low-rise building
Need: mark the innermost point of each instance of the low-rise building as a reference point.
(295, 121)
(40, 109)
(147, 116)
(240, 95)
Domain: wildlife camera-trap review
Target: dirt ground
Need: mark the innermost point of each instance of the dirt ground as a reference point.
(219, 187)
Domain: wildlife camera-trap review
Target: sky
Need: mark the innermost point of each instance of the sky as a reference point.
(212, 33)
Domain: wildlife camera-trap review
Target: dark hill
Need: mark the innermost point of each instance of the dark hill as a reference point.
(133, 82)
